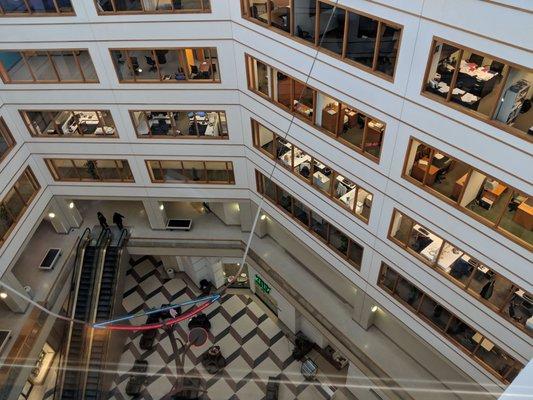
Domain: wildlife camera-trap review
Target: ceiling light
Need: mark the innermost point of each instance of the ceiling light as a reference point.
(263, 217)
(374, 309)
(71, 204)
(3, 295)
(161, 207)
(51, 215)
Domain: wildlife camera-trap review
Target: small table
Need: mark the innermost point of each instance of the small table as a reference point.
(485, 343)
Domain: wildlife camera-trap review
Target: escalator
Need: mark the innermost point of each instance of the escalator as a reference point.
(99, 338)
(76, 353)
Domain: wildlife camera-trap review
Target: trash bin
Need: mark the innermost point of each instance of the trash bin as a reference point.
(171, 273)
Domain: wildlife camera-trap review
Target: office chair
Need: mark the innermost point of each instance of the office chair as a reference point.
(150, 61)
(177, 4)
(476, 59)
(303, 34)
(194, 69)
(497, 66)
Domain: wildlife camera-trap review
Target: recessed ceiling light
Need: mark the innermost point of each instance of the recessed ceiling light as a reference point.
(3, 295)
(51, 215)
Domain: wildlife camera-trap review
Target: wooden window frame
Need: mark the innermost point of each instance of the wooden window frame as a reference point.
(4, 75)
(335, 135)
(205, 9)
(181, 65)
(255, 138)
(228, 167)
(30, 13)
(489, 119)
(346, 257)
(50, 163)
(471, 353)
(245, 7)
(28, 123)
(456, 204)
(463, 287)
(6, 135)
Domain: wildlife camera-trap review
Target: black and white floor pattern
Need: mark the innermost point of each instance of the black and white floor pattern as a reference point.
(252, 343)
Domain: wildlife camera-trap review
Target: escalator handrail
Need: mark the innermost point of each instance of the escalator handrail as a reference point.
(104, 234)
(122, 238)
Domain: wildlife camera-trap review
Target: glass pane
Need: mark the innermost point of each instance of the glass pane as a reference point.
(418, 162)
(159, 123)
(514, 108)
(408, 293)
(67, 66)
(144, 65)
(264, 138)
(283, 152)
(331, 27)
(494, 357)
(485, 196)
(65, 169)
(42, 6)
(447, 175)
(122, 66)
(328, 113)
(13, 67)
(155, 171)
(355, 253)
(388, 49)
(107, 169)
(283, 89)
(280, 14)
(87, 123)
(322, 176)
(319, 225)
(285, 200)
(303, 100)
(124, 170)
(520, 307)
(401, 228)
(362, 33)
(301, 212)
(140, 121)
(434, 312)
(86, 169)
(87, 66)
(304, 19)
(442, 68)
(108, 127)
(338, 240)
(6, 141)
(13, 6)
(258, 10)
(302, 164)
(14, 204)
(425, 243)
(388, 278)
(463, 334)
(518, 217)
(40, 122)
(169, 63)
(262, 77)
(269, 188)
(216, 171)
(128, 5)
(344, 190)
(41, 65)
(353, 126)
(64, 6)
(477, 85)
(364, 203)
(374, 137)
(186, 5)
(199, 65)
(194, 170)
(452, 261)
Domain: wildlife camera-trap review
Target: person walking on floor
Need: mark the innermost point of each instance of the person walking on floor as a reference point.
(117, 220)
(102, 220)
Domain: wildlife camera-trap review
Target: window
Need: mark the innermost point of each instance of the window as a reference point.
(484, 86)
(474, 343)
(52, 123)
(207, 172)
(345, 123)
(35, 7)
(177, 124)
(47, 66)
(365, 41)
(463, 270)
(336, 239)
(86, 170)
(484, 197)
(16, 201)
(168, 65)
(147, 6)
(326, 180)
(6, 140)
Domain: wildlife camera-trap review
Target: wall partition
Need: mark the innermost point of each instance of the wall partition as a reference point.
(16, 201)
(485, 198)
(322, 229)
(207, 172)
(52, 123)
(470, 340)
(166, 65)
(486, 87)
(339, 120)
(89, 170)
(477, 279)
(6, 139)
(17, 8)
(363, 40)
(312, 171)
(105, 7)
(180, 124)
(47, 66)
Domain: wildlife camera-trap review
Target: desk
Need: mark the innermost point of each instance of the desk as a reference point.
(458, 187)
(524, 214)
(419, 170)
(496, 192)
(431, 251)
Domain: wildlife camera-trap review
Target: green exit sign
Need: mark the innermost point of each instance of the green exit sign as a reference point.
(262, 284)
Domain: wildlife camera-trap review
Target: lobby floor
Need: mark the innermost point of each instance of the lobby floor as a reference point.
(252, 343)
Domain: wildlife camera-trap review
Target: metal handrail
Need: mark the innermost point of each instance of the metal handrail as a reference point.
(122, 237)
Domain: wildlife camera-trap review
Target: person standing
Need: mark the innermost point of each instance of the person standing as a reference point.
(117, 220)
(102, 220)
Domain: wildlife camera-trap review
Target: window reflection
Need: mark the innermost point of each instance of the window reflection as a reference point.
(90, 170)
(37, 7)
(148, 6)
(6, 139)
(69, 123)
(168, 171)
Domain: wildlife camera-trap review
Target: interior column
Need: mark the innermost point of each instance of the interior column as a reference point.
(63, 215)
(155, 211)
(12, 301)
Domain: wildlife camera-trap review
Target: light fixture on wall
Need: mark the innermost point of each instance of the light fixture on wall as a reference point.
(3, 295)
(263, 217)
(51, 215)
(71, 205)
(161, 207)
(374, 309)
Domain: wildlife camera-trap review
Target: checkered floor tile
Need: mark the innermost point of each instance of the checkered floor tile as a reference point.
(254, 346)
